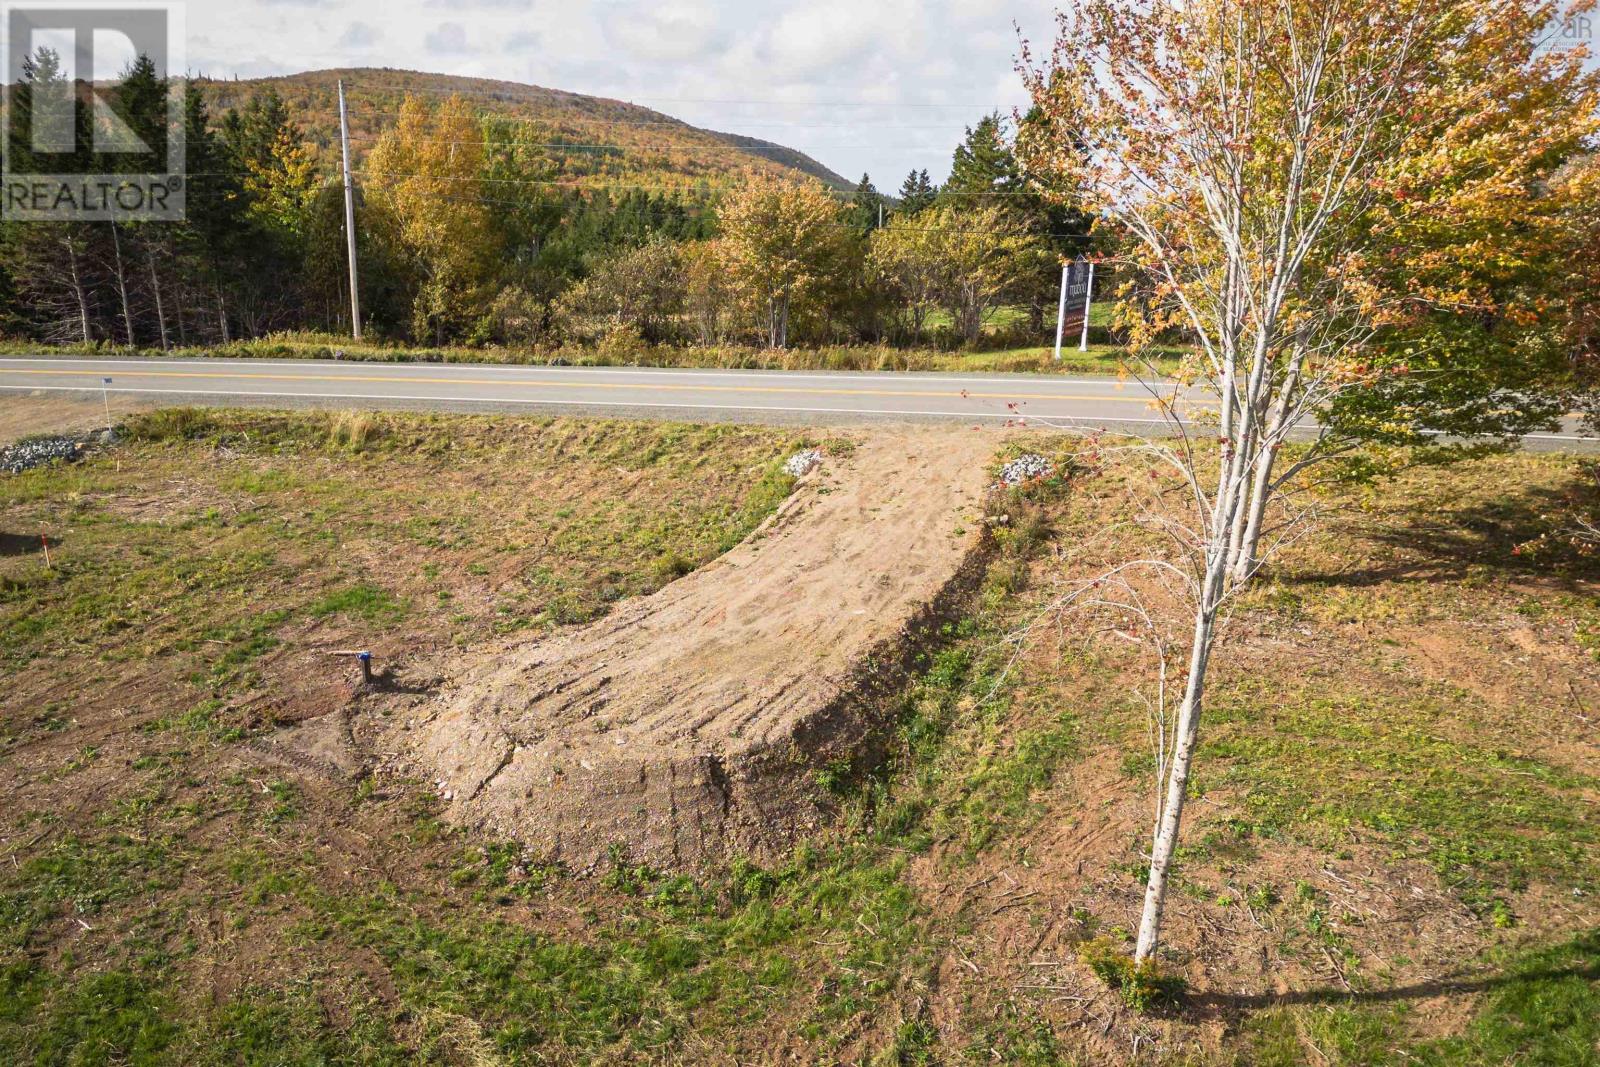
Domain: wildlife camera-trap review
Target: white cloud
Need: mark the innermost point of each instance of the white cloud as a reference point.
(523, 41)
(447, 38)
(878, 85)
(359, 35)
(481, 5)
(669, 31)
(812, 38)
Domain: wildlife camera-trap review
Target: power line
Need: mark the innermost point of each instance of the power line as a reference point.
(579, 182)
(518, 88)
(719, 142)
(666, 146)
(696, 210)
(691, 128)
(663, 148)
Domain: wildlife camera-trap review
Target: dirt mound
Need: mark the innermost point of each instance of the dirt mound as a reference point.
(693, 722)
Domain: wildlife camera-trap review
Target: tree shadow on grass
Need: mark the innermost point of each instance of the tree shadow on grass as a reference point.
(1209, 1005)
(1517, 983)
(12, 544)
(1526, 532)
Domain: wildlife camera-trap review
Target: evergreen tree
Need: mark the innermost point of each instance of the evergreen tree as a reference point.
(50, 264)
(140, 102)
(917, 193)
(277, 170)
(984, 168)
(218, 238)
(866, 207)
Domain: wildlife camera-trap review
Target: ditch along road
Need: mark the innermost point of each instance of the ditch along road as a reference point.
(691, 395)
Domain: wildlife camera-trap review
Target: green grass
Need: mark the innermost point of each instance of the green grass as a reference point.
(363, 601)
(994, 353)
(1539, 1006)
(669, 956)
(280, 522)
(368, 931)
(1329, 768)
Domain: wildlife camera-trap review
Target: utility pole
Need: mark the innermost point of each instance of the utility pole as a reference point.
(1088, 301)
(1061, 310)
(350, 218)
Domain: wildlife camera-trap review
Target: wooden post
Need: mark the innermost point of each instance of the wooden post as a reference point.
(350, 220)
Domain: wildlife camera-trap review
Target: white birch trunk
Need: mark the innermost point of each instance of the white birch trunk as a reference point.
(1229, 502)
(155, 288)
(122, 284)
(77, 290)
(1177, 791)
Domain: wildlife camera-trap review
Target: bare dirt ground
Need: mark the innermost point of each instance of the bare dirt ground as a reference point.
(25, 414)
(692, 723)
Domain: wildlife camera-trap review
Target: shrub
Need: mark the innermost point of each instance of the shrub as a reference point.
(170, 424)
(354, 430)
(1141, 985)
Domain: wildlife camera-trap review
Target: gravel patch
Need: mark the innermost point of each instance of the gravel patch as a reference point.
(803, 463)
(37, 451)
(1028, 467)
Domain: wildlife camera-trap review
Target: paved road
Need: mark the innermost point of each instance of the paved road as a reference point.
(809, 397)
(768, 396)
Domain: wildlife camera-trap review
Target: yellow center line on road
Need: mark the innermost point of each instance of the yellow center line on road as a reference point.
(559, 384)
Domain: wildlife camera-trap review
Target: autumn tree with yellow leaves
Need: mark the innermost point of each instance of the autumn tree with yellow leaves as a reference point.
(421, 176)
(782, 241)
(1301, 186)
(966, 259)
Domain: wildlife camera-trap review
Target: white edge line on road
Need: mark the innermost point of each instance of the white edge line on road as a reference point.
(929, 377)
(534, 402)
(1038, 421)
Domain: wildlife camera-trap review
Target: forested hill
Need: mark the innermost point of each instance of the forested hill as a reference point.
(592, 137)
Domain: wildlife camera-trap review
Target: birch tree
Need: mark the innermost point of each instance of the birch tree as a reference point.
(1261, 156)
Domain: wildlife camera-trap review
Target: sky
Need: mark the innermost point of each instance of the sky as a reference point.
(864, 86)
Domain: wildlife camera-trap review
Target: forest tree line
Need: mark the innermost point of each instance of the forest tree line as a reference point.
(467, 234)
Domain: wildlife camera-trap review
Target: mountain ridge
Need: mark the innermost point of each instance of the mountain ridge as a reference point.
(597, 137)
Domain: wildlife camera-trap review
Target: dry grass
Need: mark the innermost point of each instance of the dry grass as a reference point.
(1389, 858)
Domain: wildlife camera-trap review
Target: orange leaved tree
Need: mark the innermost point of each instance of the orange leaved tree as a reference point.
(1277, 166)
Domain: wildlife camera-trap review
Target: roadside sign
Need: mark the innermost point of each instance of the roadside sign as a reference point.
(1077, 293)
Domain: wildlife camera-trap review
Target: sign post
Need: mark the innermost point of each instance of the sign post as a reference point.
(1077, 290)
(1061, 311)
(1088, 299)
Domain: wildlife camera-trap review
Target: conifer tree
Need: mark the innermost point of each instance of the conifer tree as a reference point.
(865, 206)
(917, 193)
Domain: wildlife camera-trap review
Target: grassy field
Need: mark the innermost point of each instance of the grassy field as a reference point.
(1390, 860)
